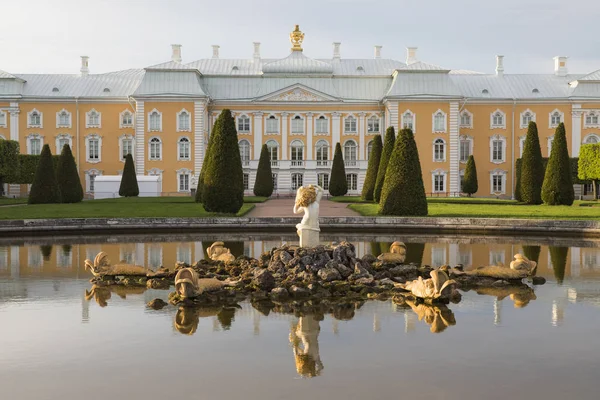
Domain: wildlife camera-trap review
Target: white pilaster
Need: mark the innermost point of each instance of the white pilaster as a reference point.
(392, 111)
(284, 135)
(454, 147)
(335, 131)
(258, 133)
(199, 107)
(576, 130)
(140, 138)
(361, 136)
(14, 121)
(309, 136)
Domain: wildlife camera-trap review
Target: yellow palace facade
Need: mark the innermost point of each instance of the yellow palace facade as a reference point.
(300, 107)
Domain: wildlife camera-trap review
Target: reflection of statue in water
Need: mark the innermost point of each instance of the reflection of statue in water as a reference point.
(304, 338)
(307, 201)
(188, 318)
(521, 294)
(439, 317)
(103, 293)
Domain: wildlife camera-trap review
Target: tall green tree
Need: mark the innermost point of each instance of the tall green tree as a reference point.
(403, 192)
(532, 169)
(223, 189)
(558, 185)
(200, 188)
(69, 184)
(518, 180)
(129, 184)
(388, 148)
(373, 167)
(338, 185)
(470, 185)
(44, 189)
(263, 186)
(9, 162)
(589, 164)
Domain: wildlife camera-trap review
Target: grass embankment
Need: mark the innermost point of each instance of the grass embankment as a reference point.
(132, 207)
(501, 210)
(452, 200)
(4, 201)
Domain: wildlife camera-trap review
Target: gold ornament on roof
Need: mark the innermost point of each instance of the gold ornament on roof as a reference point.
(296, 37)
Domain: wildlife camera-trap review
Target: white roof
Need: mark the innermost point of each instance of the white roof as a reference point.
(297, 63)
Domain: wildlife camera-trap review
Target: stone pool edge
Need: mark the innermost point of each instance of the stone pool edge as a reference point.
(429, 224)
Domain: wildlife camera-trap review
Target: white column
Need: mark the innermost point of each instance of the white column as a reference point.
(14, 121)
(140, 138)
(309, 136)
(258, 133)
(392, 110)
(576, 130)
(454, 146)
(284, 134)
(15, 264)
(361, 136)
(199, 107)
(335, 131)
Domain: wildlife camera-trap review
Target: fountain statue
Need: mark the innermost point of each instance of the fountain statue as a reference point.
(397, 254)
(304, 338)
(101, 267)
(307, 201)
(218, 252)
(188, 285)
(522, 263)
(438, 287)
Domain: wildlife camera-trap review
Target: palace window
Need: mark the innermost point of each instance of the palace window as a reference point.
(466, 119)
(246, 181)
(92, 119)
(63, 119)
(591, 118)
(274, 177)
(323, 180)
(498, 119)
(352, 181)
(34, 144)
(297, 125)
(373, 124)
(526, 117)
(408, 120)
(497, 149)
(297, 153)
(155, 149)
(439, 121)
(183, 179)
(94, 144)
(90, 178)
(350, 124)
(243, 123)
(272, 124)
(369, 149)
(322, 125)
(244, 146)
(155, 121)
(183, 153)
(439, 150)
(126, 145)
(555, 118)
(466, 148)
(2, 119)
(273, 148)
(61, 141)
(439, 181)
(591, 139)
(126, 119)
(498, 182)
(297, 180)
(34, 119)
(183, 121)
(322, 153)
(350, 153)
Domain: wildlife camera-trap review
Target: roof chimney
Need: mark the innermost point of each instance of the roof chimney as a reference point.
(378, 52)
(176, 53)
(215, 51)
(560, 66)
(84, 66)
(336, 50)
(499, 65)
(411, 55)
(256, 51)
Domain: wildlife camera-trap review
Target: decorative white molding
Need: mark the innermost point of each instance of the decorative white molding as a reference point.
(525, 117)
(439, 172)
(297, 128)
(155, 141)
(245, 152)
(498, 119)
(522, 145)
(258, 130)
(61, 137)
(502, 139)
(122, 138)
(272, 125)
(503, 174)
(182, 143)
(297, 144)
(350, 150)
(64, 119)
(592, 138)
(243, 123)
(157, 117)
(126, 119)
(88, 140)
(373, 124)
(33, 124)
(140, 141)
(441, 144)
(297, 93)
(466, 119)
(592, 119)
(34, 136)
(454, 149)
(3, 119)
(200, 115)
(181, 186)
(93, 119)
(350, 125)
(392, 112)
(182, 114)
(409, 120)
(556, 113)
(442, 125)
(88, 174)
(319, 125)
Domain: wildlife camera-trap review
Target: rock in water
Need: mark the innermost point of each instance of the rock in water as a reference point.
(264, 280)
(279, 293)
(156, 304)
(329, 274)
(344, 271)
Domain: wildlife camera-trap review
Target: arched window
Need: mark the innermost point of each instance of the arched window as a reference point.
(183, 180)
(555, 118)
(63, 119)
(155, 149)
(126, 146)
(439, 121)
(183, 153)
(297, 125)
(322, 156)
(591, 118)
(498, 119)
(322, 126)
(272, 125)
(466, 119)
(273, 147)
(439, 150)
(438, 181)
(373, 124)
(350, 124)
(61, 141)
(466, 148)
(183, 121)
(297, 180)
(350, 153)
(154, 122)
(526, 117)
(369, 148)
(297, 153)
(243, 123)
(93, 119)
(591, 139)
(35, 119)
(408, 120)
(34, 144)
(244, 146)
(126, 120)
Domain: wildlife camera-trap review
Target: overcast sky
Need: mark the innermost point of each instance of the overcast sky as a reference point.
(48, 36)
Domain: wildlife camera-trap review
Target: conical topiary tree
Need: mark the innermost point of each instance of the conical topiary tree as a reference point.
(518, 180)
(129, 185)
(388, 147)
(44, 189)
(338, 185)
(223, 189)
(371, 178)
(200, 187)
(558, 184)
(470, 185)
(532, 169)
(403, 191)
(69, 184)
(263, 186)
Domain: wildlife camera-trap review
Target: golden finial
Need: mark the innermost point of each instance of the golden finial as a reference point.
(296, 37)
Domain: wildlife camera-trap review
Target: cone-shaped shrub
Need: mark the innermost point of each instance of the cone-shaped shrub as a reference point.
(518, 180)
(338, 186)
(44, 189)
(532, 169)
(263, 186)
(129, 184)
(403, 192)
(558, 185)
(371, 178)
(558, 257)
(388, 147)
(223, 189)
(470, 185)
(69, 184)
(200, 187)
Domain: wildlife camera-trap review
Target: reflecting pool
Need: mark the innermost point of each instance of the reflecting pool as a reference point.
(63, 338)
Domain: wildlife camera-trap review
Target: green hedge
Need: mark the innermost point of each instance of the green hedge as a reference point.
(9, 161)
(28, 165)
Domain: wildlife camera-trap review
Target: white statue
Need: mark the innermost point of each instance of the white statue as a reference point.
(307, 201)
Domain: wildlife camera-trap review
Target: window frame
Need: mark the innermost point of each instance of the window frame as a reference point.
(122, 139)
(373, 125)
(594, 117)
(503, 178)
(88, 119)
(273, 149)
(552, 114)
(493, 115)
(413, 121)
(93, 137)
(60, 137)
(297, 147)
(183, 173)
(180, 141)
(589, 136)
(437, 142)
(439, 115)
(324, 122)
(323, 180)
(349, 122)
(272, 125)
(434, 181)
(467, 113)
(322, 162)
(523, 115)
(179, 128)
(152, 128)
(352, 181)
(122, 115)
(248, 151)
(34, 136)
(503, 141)
(469, 140)
(241, 126)
(151, 140)
(3, 119)
(62, 124)
(297, 125)
(350, 161)
(89, 181)
(297, 179)
(40, 116)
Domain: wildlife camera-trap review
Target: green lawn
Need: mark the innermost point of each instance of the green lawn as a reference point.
(452, 200)
(449, 209)
(116, 208)
(7, 201)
